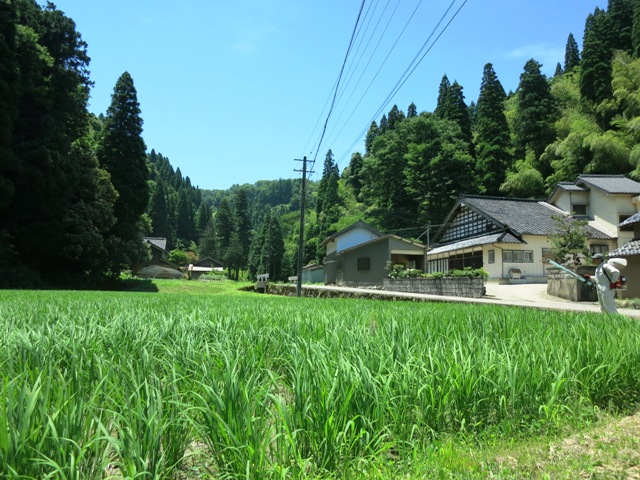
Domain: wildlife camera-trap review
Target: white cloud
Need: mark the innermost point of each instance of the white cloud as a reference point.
(545, 54)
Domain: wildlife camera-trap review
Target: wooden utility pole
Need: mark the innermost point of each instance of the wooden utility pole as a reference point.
(303, 193)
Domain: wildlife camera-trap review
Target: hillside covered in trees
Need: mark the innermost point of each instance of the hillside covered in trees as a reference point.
(78, 192)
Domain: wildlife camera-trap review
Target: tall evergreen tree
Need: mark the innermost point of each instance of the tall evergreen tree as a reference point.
(372, 133)
(207, 245)
(620, 14)
(50, 182)
(384, 124)
(412, 111)
(395, 117)
(439, 167)
(328, 187)
(185, 221)
(536, 114)
(635, 29)
(558, 73)
(203, 216)
(9, 95)
(596, 70)
(121, 150)
(242, 230)
(459, 113)
(443, 102)
(223, 227)
(571, 54)
(492, 133)
(267, 248)
(159, 212)
(353, 173)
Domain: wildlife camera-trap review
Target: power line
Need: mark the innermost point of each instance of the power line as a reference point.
(405, 76)
(324, 129)
(383, 62)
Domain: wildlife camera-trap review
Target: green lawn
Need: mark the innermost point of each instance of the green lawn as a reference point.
(188, 379)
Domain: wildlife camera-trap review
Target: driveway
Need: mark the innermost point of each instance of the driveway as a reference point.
(535, 295)
(530, 295)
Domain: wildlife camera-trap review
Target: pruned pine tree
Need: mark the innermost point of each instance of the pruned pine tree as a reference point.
(121, 151)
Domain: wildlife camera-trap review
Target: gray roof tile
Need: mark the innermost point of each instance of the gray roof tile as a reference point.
(631, 220)
(530, 217)
(627, 250)
(612, 184)
(503, 237)
(522, 216)
(571, 187)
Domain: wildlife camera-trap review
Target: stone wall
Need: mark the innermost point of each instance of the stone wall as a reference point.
(564, 285)
(450, 287)
(328, 292)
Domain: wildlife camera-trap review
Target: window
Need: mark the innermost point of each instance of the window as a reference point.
(547, 254)
(517, 256)
(598, 248)
(626, 228)
(579, 209)
(364, 263)
(492, 256)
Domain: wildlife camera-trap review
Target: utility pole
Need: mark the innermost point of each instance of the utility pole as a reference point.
(303, 190)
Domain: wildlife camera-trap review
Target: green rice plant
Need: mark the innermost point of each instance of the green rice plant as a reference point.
(234, 419)
(102, 383)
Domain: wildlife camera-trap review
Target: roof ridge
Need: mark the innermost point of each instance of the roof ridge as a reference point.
(516, 199)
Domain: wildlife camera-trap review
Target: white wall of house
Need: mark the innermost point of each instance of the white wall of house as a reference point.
(528, 258)
(607, 211)
(568, 200)
(350, 239)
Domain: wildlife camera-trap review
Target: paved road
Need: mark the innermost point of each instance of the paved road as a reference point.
(521, 295)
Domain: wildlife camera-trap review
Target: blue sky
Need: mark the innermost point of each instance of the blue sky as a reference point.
(232, 91)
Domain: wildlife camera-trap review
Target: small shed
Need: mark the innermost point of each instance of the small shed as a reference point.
(204, 265)
(313, 273)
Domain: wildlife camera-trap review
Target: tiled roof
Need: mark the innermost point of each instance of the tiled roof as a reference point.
(531, 217)
(384, 237)
(357, 224)
(571, 187)
(503, 237)
(631, 220)
(611, 184)
(523, 217)
(627, 250)
(159, 242)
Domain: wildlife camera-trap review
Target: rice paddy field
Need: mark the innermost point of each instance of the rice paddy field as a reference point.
(207, 383)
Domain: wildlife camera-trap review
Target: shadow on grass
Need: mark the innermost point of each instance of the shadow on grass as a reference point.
(132, 285)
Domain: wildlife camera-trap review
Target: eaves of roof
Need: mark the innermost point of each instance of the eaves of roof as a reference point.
(627, 250)
(359, 223)
(379, 239)
(502, 237)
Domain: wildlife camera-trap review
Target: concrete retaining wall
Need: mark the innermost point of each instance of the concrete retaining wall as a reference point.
(563, 285)
(450, 287)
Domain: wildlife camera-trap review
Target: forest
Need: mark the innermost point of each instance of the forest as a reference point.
(79, 192)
